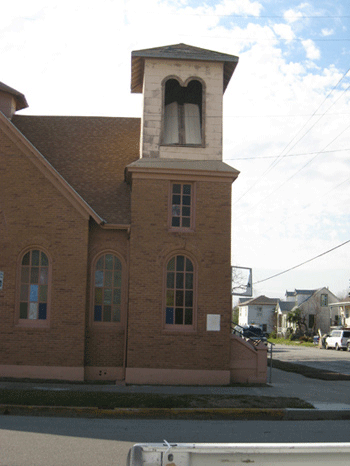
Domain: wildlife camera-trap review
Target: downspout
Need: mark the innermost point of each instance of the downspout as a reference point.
(127, 306)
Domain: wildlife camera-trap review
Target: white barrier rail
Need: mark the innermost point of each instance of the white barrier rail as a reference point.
(239, 454)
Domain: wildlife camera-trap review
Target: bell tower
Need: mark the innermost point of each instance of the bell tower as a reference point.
(182, 88)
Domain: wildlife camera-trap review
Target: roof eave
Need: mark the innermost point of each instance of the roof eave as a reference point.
(138, 58)
(20, 99)
(229, 176)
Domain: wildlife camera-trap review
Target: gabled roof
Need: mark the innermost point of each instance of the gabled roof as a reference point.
(47, 169)
(314, 292)
(300, 292)
(260, 300)
(90, 155)
(296, 292)
(286, 306)
(178, 52)
(20, 99)
(243, 301)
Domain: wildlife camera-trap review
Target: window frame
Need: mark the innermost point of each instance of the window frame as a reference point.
(103, 324)
(180, 328)
(192, 216)
(324, 300)
(33, 323)
(181, 117)
(311, 320)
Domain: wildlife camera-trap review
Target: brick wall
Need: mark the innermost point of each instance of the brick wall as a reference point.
(105, 343)
(149, 345)
(35, 213)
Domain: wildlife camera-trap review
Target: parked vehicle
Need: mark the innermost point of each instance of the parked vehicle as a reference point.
(251, 331)
(338, 339)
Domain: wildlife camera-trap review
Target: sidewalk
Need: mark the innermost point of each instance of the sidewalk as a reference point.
(331, 399)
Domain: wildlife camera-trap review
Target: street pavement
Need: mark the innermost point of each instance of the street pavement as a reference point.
(329, 360)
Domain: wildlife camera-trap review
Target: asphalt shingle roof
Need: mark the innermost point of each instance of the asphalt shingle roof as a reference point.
(260, 300)
(91, 154)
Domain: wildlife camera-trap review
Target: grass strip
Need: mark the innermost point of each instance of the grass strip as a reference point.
(286, 342)
(105, 400)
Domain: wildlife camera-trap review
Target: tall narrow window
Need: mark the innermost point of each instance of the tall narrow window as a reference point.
(33, 303)
(182, 113)
(179, 292)
(182, 205)
(311, 320)
(324, 300)
(107, 296)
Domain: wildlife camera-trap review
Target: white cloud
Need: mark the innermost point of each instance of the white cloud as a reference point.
(70, 59)
(239, 7)
(291, 16)
(327, 32)
(284, 31)
(312, 52)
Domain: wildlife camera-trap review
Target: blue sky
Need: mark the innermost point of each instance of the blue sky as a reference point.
(286, 110)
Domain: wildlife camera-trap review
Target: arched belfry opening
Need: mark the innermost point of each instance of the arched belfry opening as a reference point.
(183, 113)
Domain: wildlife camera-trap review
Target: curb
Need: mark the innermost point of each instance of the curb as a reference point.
(178, 413)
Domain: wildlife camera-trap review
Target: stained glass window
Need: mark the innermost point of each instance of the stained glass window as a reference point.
(34, 286)
(107, 289)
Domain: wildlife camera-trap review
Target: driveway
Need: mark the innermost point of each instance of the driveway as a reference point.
(336, 361)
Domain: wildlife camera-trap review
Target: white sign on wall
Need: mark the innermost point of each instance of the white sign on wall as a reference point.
(213, 322)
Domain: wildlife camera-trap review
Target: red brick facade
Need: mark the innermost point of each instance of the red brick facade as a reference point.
(151, 244)
(105, 344)
(34, 214)
(80, 191)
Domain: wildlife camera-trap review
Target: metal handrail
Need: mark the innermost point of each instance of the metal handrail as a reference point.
(271, 350)
(254, 343)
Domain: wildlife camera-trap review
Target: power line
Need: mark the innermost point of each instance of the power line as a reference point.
(284, 115)
(287, 155)
(326, 194)
(303, 263)
(294, 174)
(272, 39)
(282, 155)
(263, 16)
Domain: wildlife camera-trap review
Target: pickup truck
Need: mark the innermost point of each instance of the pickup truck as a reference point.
(254, 454)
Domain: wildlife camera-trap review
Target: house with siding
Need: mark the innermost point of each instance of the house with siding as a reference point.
(112, 229)
(258, 311)
(315, 307)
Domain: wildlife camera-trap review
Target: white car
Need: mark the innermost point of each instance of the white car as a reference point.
(338, 339)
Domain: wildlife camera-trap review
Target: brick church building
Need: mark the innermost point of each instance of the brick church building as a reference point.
(115, 233)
